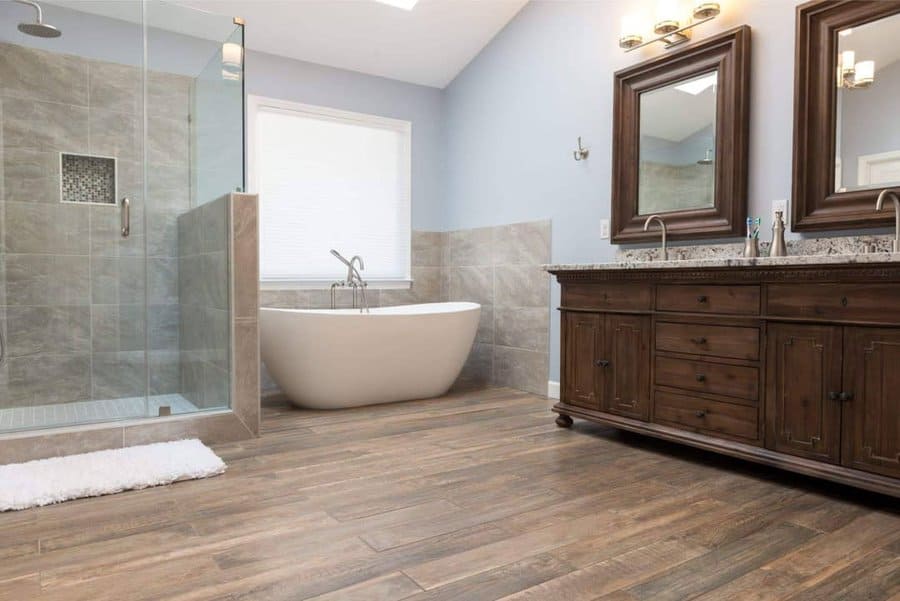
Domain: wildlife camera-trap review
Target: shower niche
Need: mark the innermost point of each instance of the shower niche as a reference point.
(87, 179)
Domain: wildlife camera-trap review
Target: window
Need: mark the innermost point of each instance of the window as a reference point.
(329, 179)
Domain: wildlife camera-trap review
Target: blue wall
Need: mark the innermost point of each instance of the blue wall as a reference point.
(513, 115)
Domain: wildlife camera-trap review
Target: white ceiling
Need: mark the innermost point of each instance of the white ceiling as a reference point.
(428, 45)
(674, 115)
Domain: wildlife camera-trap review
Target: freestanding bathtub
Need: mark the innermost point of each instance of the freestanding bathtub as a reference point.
(331, 359)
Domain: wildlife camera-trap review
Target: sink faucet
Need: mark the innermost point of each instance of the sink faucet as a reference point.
(878, 204)
(354, 280)
(662, 224)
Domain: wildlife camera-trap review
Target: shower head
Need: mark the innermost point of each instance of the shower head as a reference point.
(707, 160)
(38, 28)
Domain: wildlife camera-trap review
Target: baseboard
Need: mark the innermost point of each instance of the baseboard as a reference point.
(553, 389)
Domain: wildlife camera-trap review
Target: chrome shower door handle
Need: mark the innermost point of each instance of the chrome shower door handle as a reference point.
(126, 217)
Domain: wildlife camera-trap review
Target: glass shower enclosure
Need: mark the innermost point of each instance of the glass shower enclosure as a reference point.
(120, 138)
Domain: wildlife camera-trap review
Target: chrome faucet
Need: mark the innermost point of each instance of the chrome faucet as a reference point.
(878, 204)
(662, 224)
(354, 280)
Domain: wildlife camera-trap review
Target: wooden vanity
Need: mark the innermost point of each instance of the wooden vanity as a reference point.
(796, 366)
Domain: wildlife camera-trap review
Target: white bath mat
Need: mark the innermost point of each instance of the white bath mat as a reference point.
(46, 481)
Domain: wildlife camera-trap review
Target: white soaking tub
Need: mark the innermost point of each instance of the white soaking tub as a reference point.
(331, 359)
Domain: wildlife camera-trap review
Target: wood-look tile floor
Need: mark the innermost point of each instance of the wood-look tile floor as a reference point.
(474, 496)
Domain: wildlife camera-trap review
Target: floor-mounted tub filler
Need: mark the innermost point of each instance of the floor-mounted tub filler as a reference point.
(331, 359)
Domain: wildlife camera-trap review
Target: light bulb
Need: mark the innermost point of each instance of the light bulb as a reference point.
(865, 73)
(630, 35)
(232, 55)
(667, 17)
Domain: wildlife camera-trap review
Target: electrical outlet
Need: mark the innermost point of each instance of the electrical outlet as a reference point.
(781, 205)
(604, 229)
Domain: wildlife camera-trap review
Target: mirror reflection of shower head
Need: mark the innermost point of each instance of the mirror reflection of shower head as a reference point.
(38, 28)
(707, 160)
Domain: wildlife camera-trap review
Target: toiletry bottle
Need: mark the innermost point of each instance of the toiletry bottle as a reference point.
(778, 248)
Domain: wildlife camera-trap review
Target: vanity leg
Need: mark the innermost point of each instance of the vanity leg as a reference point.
(563, 421)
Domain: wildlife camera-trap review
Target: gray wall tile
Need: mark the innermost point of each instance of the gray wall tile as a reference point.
(115, 87)
(474, 284)
(522, 327)
(41, 75)
(522, 243)
(44, 228)
(44, 126)
(520, 368)
(521, 286)
(30, 175)
(42, 279)
(472, 247)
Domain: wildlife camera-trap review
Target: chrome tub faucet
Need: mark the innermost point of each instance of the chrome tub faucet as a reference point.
(354, 280)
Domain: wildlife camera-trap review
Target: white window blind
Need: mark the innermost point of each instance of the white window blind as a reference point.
(330, 179)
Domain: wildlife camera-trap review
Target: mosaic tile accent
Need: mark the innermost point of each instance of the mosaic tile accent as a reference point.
(88, 179)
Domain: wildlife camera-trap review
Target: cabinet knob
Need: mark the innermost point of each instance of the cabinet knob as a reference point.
(834, 396)
(700, 413)
(700, 340)
(700, 377)
(702, 298)
(601, 363)
(846, 396)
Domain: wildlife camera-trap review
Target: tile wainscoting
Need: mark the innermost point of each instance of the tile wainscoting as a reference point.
(498, 267)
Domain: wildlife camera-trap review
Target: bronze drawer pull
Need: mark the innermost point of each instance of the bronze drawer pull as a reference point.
(601, 363)
(700, 377)
(700, 340)
(702, 298)
(700, 413)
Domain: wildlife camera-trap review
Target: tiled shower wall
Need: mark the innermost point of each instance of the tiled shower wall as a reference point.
(203, 293)
(74, 289)
(498, 267)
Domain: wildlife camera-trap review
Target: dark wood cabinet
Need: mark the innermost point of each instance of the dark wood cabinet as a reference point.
(608, 362)
(871, 417)
(584, 343)
(803, 382)
(627, 374)
(793, 366)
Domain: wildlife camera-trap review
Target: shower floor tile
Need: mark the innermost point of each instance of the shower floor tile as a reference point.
(65, 414)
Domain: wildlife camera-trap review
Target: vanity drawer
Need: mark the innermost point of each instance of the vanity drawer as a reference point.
(713, 378)
(702, 298)
(622, 297)
(715, 341)
(716, 417)
(876, 303)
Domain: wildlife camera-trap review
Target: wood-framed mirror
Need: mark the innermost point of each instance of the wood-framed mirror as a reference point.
(846, 125)
(680, 141)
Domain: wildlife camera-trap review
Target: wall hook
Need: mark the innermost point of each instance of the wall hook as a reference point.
(582, 153)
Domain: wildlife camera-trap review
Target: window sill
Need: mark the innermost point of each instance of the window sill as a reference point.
(405, 284)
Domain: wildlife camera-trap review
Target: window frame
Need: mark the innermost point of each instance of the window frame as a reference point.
(255, 103)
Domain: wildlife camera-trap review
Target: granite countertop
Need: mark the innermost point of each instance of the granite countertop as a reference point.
(875, 257)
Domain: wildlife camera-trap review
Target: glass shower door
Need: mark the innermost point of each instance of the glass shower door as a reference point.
(73, 273)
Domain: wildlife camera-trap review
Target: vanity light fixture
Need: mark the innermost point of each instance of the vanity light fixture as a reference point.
(854, 75)
(232, 60)
(668, 27)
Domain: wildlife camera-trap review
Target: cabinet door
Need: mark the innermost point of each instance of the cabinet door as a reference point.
(627, 373)
(872, 417)
(584, 345)
(803, 369)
